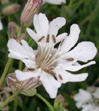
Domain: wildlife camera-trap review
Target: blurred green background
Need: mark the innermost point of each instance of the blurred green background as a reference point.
(83, 12)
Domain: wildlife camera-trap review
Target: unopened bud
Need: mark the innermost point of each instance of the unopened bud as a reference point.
(11, 9)
(12, 26)
(28, 86)
(12, 30)
(4, 1)
(32, 7)
(64, 109)
(59, 103)
(59, 99)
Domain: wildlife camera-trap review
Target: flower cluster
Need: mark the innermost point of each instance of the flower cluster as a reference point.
(52, 65)
(88, 101)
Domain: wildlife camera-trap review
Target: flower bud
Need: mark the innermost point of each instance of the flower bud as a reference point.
(11, 9)
(28, 86)
(59, 103)
(12, 26)
(4, 1)
(32, 7)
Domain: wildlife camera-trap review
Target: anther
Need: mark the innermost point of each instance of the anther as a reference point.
(47, 39)
(54, 39)
(70, 59)
(41, 39)
(49, 72)
(60, 77)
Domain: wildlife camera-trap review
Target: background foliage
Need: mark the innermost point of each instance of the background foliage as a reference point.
(83, 12)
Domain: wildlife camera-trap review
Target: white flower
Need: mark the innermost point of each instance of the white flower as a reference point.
(50, 63)
(58, 2)
(87, 101)
(1, 26)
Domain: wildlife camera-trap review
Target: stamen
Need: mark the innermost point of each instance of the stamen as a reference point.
(54, 39)
(52, 59)
(47, 39)
(41, 39)
(47, 57)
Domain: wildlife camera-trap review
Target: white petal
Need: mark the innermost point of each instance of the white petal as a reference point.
(21, 76)
(1, 25)
(55, 25)
(44, 23)
(26, 46)
(32, 34)
(41, 24)
(18, 51)
(29, 63)
(74, 67)
(87, 107)
(84, 51)
(82, 97)
(96, 93)
(96, 109)
(71, 40)
(58, 2)
(50, 84)
(60, 37)
(64, 76)
(83, 94)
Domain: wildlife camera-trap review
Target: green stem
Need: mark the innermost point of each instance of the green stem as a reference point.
(15, 103)
(10, 98)
(46, 102)
(20, 65)
(5, 71)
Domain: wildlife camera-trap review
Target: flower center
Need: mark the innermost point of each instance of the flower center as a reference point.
(46, 57)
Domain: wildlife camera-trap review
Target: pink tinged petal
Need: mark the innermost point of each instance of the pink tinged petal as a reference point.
(32, 34)
(70, 40)
(21, 76)
(50, 84)
(64, 76)
(84, 51)
(74, 67)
